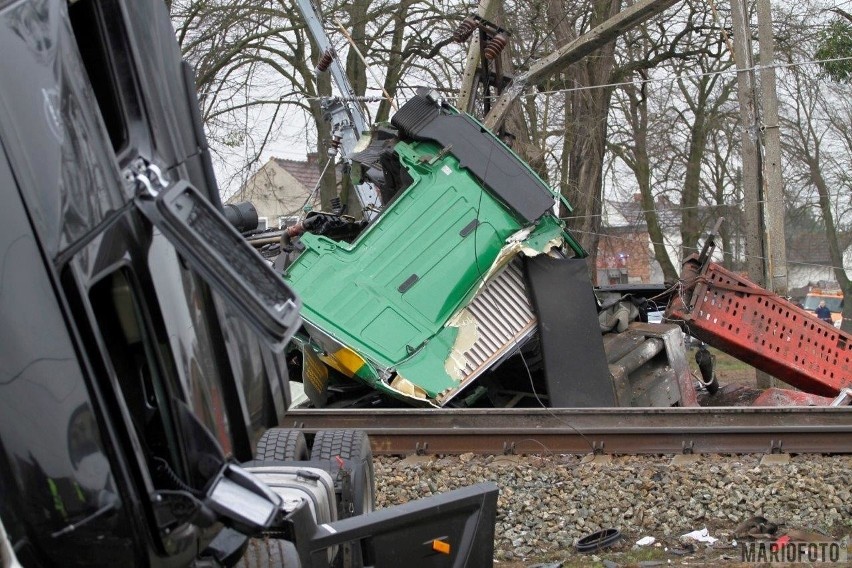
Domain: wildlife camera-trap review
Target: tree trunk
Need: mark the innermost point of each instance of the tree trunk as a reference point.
(690, 225)
(586, 137)
(394, 66)
(834, 252)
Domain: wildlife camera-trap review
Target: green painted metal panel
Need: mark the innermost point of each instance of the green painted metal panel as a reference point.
(393, 289)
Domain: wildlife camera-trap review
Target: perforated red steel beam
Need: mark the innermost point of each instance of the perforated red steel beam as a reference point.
(762, 329)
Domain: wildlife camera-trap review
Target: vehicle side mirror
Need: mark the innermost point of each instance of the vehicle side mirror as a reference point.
(242, 501)
(219, 254)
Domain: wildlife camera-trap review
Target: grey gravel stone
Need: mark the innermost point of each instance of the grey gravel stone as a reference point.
(546, 503)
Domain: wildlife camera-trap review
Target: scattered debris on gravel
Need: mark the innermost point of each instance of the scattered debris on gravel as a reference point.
(548, 502)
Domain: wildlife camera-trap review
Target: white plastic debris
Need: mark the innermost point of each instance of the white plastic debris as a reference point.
(645, 541)
(701, 536)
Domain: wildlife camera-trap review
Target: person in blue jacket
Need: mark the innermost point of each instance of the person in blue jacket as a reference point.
(823, 313)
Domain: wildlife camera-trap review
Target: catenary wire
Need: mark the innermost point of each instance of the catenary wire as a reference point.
(672, 79)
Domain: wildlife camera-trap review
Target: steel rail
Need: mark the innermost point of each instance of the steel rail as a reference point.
(581, 431)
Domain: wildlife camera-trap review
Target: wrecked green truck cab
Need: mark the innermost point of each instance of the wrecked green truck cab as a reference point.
(465, 266)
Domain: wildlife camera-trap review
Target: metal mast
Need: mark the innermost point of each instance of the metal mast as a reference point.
(344, 113)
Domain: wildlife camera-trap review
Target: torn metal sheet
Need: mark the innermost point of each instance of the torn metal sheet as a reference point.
(427, 297)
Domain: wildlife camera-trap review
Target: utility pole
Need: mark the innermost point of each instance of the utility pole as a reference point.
(345, 114)
(754, 196)
(776, 250)
(466, 94)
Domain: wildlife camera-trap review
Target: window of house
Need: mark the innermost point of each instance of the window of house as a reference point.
(287, 221)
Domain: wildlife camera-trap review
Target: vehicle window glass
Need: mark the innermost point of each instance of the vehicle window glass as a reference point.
(56, 482)
(89, 27)
(184, 296)
(51, 126)
(261, 386)
(147, 395)
(833, 303)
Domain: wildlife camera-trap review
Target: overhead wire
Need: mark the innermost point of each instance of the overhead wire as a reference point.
(648, 81)
(673, 78)
(686, 207)
(679, 208)
(315, 191)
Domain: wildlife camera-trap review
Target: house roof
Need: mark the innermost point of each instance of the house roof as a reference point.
(669, 214)
(306, 173)
(812, 247)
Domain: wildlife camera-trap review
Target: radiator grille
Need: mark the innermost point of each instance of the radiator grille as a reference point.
(504, 320)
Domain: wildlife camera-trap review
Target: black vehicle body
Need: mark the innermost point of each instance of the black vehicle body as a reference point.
(133, 363)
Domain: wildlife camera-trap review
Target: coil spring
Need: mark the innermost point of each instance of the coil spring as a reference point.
(495, 45)
(325, 61)
(464, 30)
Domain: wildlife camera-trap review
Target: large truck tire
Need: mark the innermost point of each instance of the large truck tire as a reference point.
(270, 553)
(282, 444)
(354, 446)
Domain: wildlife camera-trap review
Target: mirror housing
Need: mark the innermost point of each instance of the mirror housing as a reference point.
(242, 501)
(219, 254)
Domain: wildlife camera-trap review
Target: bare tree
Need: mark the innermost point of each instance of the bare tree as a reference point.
(705, 97)
(679, 107)
(255, 66)
(817, 118)
(634, 152)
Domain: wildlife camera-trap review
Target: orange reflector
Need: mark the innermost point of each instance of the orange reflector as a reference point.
(441, 546)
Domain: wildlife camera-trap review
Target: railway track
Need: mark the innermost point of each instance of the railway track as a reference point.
(583, 431)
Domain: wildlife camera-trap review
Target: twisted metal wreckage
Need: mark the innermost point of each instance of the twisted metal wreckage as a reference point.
(461, 287)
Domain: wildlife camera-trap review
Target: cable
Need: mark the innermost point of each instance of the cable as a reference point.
(357, 99)
(671, 209)
(674, 78)
(315, 190)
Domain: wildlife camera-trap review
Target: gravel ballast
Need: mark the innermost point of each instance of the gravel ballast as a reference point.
(548, 502)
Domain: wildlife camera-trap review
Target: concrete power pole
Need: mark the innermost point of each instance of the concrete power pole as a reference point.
(572, 52)
(776, 249)
(486, 10)
(752, 178)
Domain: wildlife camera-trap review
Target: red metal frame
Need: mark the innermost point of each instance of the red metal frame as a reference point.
(738, 317)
